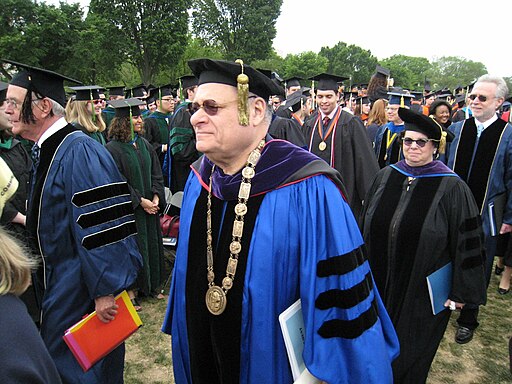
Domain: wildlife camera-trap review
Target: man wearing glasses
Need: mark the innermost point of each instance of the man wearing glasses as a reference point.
(79, 220)
(481, 154)
(156, 125)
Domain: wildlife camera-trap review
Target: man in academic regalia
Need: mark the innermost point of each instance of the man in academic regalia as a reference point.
(481, 154)
(264, 223)
(156, 125)
(182, 141)
(79, 219)
(340, 139)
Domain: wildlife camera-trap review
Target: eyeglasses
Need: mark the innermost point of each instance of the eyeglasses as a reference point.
(98, 101)
(168, 100)
(419, 142)
(482, 98)
(11, 102)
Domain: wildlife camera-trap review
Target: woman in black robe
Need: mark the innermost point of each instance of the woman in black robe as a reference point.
(419, 216)
(139, 164)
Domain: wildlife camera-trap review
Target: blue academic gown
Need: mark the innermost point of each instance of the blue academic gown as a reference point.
(305, 243)
(81, 218)
(500, 178)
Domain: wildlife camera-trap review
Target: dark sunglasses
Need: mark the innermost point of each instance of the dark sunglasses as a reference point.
(419, 142)
(97, 101)
(210, 107)
(482, 98)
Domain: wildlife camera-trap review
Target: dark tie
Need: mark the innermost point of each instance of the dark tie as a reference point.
(326, 121)
(34, 154)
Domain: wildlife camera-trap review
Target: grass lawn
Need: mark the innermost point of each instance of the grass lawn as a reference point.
(483, 360)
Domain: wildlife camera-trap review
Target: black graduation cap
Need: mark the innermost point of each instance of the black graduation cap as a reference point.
(443, 94)
(429, 94)
(398, 97)
(327, 81)
(382, 71)
(137, 91)
(42, 81)
(362, 100)
(125, 106)
(117, 90)
(418, 122)
(3, 91)
(418, 95)
(227, 72)
(188, 81)
(460, 99)
(296, 100)
(350, 94)
(426, 86)
(86, 92)
(292, 81)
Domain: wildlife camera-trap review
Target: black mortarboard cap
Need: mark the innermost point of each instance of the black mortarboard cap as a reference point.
(426, 86)
(226, 72)
(3, 91)
(418, 95)
(86, 92)
(293, 81)
(188, 81)
(418, 122)
(350, 94)
(461, 98)
(137, 91)
(123, 107)
(42, 81)
(398, 97)
(296, 100)
(443, 94)
(429, 94)
(116, 91)
(382, 71)
(362, 100)
(327, 81)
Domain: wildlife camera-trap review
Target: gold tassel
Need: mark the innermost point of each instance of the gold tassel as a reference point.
(93, 109)
(243, 96)
(402, 102)
(442, 143)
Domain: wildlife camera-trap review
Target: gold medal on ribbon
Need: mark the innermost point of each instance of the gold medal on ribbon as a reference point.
(322, 146)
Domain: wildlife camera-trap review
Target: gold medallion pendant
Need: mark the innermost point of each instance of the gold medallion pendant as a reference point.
(322, 146)
(216, 300)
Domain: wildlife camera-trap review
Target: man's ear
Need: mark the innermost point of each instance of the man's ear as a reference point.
(259, 107)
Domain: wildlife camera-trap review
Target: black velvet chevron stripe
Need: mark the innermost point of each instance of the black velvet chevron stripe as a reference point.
(470, 224)
(349, 329)
(345, 298)
(104, 192)
(105, 215)
(472, 262)
(471, 243)
(339, 265)
(109, 236)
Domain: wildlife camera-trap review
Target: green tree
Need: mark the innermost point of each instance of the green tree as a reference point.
(350, 61)
(40, 34)
(450, 71)
(407, 71)
(153, 32)
(244, 29)
(305, 65)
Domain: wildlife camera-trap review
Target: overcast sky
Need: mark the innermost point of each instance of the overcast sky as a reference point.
(430, 29)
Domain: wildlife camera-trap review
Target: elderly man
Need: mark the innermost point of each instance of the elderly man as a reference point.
(263, 224)
(481, 154)
(340, 139)
(79, 218)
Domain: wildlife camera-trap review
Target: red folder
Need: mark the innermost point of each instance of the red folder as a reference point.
(90, 339)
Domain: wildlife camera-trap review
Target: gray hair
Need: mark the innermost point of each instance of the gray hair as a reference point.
(268, 111)
(501, 86)
(57, 109)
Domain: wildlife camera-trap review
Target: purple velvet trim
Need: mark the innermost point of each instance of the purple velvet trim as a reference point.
(434, 168)
(279, 160)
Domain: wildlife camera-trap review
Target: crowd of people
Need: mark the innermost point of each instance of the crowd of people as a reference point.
(346, 199)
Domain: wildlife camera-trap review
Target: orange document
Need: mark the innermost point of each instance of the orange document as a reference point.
(90, 339)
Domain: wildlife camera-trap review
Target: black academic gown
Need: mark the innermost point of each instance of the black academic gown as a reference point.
(156, 131)
(411, 231)
(287, 129)
(352, 155)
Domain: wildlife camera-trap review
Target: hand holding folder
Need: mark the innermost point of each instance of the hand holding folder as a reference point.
(90, 339)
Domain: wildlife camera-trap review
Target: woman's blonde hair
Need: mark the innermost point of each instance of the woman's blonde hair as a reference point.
(15, 265)
(378, 113)
(70, 110)
(83, 117)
